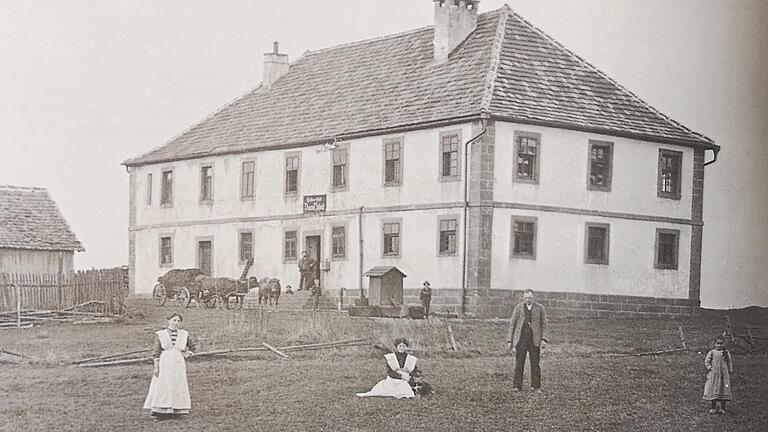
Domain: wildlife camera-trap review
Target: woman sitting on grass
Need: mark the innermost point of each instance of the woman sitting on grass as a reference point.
(403, 378)
(718, 385)
(168, 395)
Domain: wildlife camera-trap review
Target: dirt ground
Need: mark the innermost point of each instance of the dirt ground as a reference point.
(591, 380)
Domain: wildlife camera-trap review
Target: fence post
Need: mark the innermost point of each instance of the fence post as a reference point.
(18, 306)
(58, 277)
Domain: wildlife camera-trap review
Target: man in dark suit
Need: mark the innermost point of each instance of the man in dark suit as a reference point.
(306, 271)
(527, 335)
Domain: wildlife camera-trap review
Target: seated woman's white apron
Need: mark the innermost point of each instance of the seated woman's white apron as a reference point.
(169, 391)
(393, 387)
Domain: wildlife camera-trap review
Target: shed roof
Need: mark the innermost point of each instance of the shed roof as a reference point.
(30, 219)
(506, 67)
(382, 270)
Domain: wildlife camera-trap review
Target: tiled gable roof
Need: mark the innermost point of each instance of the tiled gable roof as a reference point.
(506, 67)
(29, 219)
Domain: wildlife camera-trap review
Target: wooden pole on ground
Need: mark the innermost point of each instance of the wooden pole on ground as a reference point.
(453, 340)
(751, 339)
(275, 350)
(728, 329)
(682, 336)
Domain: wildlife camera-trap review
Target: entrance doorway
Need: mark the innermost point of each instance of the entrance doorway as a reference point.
(313, 246)
(205, 257)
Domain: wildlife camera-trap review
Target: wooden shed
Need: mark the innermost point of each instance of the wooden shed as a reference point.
(34, 236)
(385, 286)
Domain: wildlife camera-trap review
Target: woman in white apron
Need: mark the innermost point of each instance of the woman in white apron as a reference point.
(169, 392)
(403, 379)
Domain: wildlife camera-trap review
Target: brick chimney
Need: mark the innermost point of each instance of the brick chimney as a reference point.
(454, 21)
(275, 66)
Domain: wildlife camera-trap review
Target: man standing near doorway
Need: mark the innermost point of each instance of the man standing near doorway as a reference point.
(306, 271)
(527, 335)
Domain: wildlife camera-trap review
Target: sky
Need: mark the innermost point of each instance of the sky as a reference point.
(85, 85)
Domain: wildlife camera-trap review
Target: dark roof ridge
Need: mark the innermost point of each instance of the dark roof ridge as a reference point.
(390, 36)
(612, 81)
(129, 161)
(493, 66)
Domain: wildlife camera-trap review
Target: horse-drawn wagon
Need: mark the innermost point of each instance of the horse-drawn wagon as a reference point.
(183, 285)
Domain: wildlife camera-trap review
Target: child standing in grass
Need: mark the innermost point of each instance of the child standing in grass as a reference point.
(718, 385)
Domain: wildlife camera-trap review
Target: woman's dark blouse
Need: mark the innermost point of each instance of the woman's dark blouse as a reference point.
(157, 348)
(401, 362)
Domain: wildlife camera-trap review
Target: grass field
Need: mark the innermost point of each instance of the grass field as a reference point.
(585, 387)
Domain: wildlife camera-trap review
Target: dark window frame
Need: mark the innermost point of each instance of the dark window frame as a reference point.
(606, 247)
(445, 240)
(161, 258)
(240, 245)
(247, 180)
(397, 170)
(451, 176)
(335, 245)
(340, 168)
(293, 156)
(295, 256)
(206, 183)
(535, 174)
(513, 249)
(677, 168)
(608, 175)
(149, 189)
(384, 236)
(166, 187)
(657, 248)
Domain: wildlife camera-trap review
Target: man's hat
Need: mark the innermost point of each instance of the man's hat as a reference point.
(426, 283)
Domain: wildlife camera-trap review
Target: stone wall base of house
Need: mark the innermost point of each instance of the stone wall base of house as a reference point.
(495, 303)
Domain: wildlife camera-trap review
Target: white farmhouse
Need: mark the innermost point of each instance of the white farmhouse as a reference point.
(477, 153)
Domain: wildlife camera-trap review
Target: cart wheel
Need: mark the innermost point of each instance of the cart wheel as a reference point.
(159, 295)
(231, 301)
(183, 297)
(212, 301)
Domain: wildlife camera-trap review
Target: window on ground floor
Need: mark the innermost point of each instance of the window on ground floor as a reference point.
(391, 239)
(597, 243)
(667, 243)
(524, 237)
(448, 236)
(290, 245)
(166, 251)
(338, 242)
(246, 246)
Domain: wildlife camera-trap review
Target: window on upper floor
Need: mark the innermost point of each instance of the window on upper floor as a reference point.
(246, 246)
(524, 237)
(166, 251)
(247, 180)
(597, 243)
(527, 156)
(667, 241)
(600, 166)
(391, 239)
(290, 245)
(338, 242)
(450, 155)
(393, 163)
(448, 236)
(149, 189)
(340, 168)
(166, 188)
(206, 183)
(669, 173)
(292, 164)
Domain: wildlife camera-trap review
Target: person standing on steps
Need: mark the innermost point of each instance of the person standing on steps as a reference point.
(426, 298)
(306, 271)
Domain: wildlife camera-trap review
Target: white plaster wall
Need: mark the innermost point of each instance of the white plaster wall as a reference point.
(559, 263)
(419, 254)
(420, 166)
(563, 174)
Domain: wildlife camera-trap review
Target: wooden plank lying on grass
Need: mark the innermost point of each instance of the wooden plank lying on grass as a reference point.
(453, 341)
(275, 350)
(30, 325)
(83, 304)
(235, 350)
(109, 357)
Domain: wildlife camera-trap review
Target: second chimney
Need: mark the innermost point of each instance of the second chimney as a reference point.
(275, 66)
(454, 21)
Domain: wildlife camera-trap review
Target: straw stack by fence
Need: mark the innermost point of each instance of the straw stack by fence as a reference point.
(56, 291)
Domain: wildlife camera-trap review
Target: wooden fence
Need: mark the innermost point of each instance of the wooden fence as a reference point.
(55, 292)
